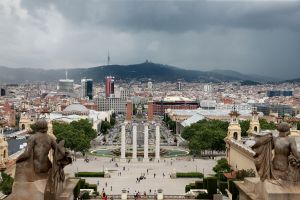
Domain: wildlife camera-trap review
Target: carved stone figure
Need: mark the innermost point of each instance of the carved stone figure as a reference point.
(36, 177)
(285, 163)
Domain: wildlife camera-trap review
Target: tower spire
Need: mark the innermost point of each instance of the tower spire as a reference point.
(108, 57)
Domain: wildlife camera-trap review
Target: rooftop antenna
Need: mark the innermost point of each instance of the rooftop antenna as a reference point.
(108, 58)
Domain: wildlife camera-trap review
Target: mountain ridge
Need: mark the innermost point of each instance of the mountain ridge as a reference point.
(155, 71)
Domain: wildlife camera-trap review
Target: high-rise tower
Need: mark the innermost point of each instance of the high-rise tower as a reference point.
(87, 88)
(109, 86)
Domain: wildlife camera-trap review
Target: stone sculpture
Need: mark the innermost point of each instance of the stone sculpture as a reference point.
(285, 163)
(36, 177)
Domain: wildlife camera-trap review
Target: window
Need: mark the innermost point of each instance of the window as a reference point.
(235, 135)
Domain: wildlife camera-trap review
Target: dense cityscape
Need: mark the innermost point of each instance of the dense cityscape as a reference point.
(149, 99)
(168, 109)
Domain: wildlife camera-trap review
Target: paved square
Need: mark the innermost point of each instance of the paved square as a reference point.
(128, 176)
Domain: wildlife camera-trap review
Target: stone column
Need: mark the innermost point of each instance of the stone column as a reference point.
(146, 158)
(157, 143)
(134, 142)
(123, 143)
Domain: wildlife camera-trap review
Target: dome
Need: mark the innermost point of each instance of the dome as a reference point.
(76, 107)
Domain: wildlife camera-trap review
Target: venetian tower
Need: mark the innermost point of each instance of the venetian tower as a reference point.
(254, 123)
(234, 128)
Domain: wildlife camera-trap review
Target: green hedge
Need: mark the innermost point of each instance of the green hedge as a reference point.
(93, 186)
(83, 185)
(199, 184)
(89, 174)
(222, 186)
(212, 184)
(233, 190)
(203, 196)
(76, 190)
(204, 183)
(187, 188)
(192, 186)
(189, 175)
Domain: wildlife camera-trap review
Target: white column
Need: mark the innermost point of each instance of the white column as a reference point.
(134, 142)
(146, 158)
(157, 143)
(123, 141)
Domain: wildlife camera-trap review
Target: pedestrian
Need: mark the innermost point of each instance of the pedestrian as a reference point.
(104, 196)
(97, 183)
(105, 184)
(110, 188)
(154, 175)
(150, 191)
(163, 175)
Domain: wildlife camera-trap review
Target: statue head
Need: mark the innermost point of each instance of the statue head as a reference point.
(283, 128)
(42, 125)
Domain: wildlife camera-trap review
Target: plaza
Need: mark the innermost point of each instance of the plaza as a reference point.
(124, 175)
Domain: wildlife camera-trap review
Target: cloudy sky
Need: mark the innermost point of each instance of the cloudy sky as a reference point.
(257, 37)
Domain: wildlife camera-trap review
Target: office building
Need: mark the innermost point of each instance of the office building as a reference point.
(87, 88)
(109, 86)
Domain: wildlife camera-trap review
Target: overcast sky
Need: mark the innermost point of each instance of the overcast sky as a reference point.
(257, 37)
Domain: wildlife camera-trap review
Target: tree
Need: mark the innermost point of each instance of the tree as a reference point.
(265, 125)
(86, 127)
(245, 124)
(77, 135)
(33, 128)
(113, 119)
(298, 125)
(206, 135)
(105, 126)
(6, 183)
(220, 168)
(171, 124)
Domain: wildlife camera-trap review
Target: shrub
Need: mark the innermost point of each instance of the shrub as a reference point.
(199, 184)
(212, 186)
(6, 183)
(89, 174)
(81, 183)
(222, 186)
(189, 175)
(187, 188)
(241, 174)
(76, 190)
(85, 195)
(233, 190)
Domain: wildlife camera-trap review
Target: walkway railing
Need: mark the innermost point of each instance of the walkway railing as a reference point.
(166, 197)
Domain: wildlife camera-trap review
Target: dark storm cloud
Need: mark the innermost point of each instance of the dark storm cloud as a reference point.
(177, 16)
(247, 36)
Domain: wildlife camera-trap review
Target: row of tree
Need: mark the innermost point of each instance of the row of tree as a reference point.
(171, 124)
(206, 135)
(210, 134)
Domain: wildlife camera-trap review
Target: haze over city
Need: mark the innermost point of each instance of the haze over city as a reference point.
(252, 37)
